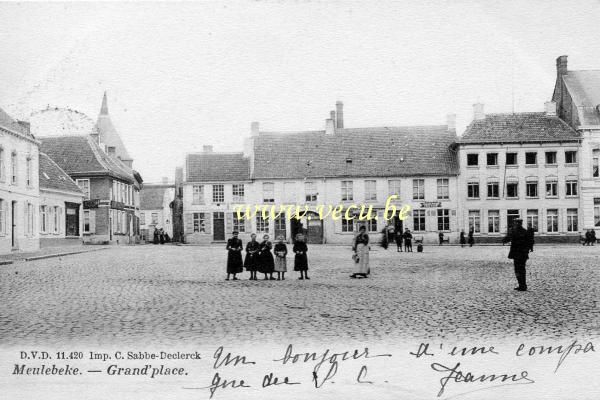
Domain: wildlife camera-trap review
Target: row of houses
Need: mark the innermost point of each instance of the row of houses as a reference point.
(62, 190)
(538, 166)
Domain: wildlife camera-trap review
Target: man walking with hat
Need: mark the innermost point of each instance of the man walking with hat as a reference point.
(520, 245)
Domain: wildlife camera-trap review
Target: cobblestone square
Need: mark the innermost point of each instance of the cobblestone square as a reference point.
(168, 294)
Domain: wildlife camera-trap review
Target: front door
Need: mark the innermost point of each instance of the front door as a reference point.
(280, 227)
(72, 219)
(13, 229)
(218, 226)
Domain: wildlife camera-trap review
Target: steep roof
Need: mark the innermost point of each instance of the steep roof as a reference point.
(7, 122)
(151, 196)
(108, 133)
(53, 177)
(81, 156)
(518, 127)
(356, 152)
(216, 167)
(584, 88)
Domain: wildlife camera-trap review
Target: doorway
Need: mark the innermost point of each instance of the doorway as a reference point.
(72, 219)
(218, 226)
(13, 225)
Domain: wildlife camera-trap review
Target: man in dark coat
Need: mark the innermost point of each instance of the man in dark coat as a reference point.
(520, 246)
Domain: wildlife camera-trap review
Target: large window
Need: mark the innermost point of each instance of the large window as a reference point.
(43, 219)
(2, 217)
(198, 194)
(218, 193)
(595, 157)
(262, 224)
(473, 190)
(84, 185)
(2, 168)
(570, 157)
(419, 220)
(268, 192)
(370, 190)
(29, 219)
(511, 158)
(419, 189)
(475, 221)
(199, 222)
(512, 190)
(571, 187)
(347, 225)
(532, 219)
(154, 218)
(472, 160)
(347, 191)
(551, 187)
(572, 220)
(29, 171)
(14, 167)
(86, 221)
(372, 225)
(238, 223)
(57, 219)
(237, 191)
(552, 220)
(493, 221)
(596, 212)
(531, 189)
(531, 158)
(443, 189)
(443, 217)
(493, 190)
(310, 191)
(492, 159)
(394, 187)
(550, 157)
(142, 219)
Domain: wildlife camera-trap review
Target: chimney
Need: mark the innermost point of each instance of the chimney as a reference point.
(165, 180)
(207, 148)
(561, 65)
(451, 122)
(329, 127)
(478, 113)
(254, 128)
(339, 111)
(332, 116)
(550, 107)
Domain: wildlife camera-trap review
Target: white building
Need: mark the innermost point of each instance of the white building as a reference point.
(155, 211)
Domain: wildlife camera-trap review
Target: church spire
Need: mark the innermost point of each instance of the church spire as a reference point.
(104, 108)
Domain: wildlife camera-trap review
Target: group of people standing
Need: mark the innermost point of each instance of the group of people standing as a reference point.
(590, 237)
(463, 240)
(265, 258)
(403, 238)
(160, 236)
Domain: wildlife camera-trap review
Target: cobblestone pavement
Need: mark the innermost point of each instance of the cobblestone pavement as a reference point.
(178, 293)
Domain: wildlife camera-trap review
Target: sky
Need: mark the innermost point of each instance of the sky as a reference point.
(183, 75)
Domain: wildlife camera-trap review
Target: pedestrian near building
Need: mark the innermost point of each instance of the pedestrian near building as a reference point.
(156, 238)
(471, 237)
(399, 237)
(235, 264)
(593, 236)
(520, 246)
(300, 259)
(441, 237)
(252, 257)
(280, 251)
(463, 239)
(266, 262)
(408, 241)
(361, 253)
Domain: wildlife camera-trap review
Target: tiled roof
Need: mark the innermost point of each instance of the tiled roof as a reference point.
(584, 88)
(151, 196)
(519, 127)
(216, 167)
(360, 152)
(53, 177)
(7, 122)
(81, 155)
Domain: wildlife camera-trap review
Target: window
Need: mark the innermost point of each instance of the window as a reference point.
(86, 221)
(372, 225)
(2, 170)
(550, 157)
(347, 225)
(84, 185)
(280, 223)
(443, 189)
(511, 158)
(268, 192)
(570, 157)
(289, 192)
(29, 171)
(572, 225)
(493, 190)
(472, 160)
(154, 218)
(394, 187)
(370, 190)
(512, 190)
(199, 219)
(475, 221)
(443, 219)
(237, 192)
(262, 224)
(531, 158)
(492, 159)
(493, 221)
(531, 189)
(595, 157)
(551, 187)
(310, 191)
(43, 219)
(473, 190)
(347, 191)
(511, 215)
(13, 165)
(532, 219)
(552, 220)
(596, 213)
(238, 223)
(29, 218)
(120, 221)
(2, 216)
(57, 214)
(198, 194)
(418, 220)
(142, 219)
(218, 194)
(418, 189)
(571, 187)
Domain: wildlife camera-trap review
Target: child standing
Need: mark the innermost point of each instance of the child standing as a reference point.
(266, 263)
(235, 264)
(280, 251)
(251, 261)
(300, 260)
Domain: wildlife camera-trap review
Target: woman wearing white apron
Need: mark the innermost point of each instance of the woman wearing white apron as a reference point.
(361, 253)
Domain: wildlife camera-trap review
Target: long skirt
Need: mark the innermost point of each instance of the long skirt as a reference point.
(234, 262)
(300, 262)
(266, 265)
(362, 266)
(280, 264)
(251, 262)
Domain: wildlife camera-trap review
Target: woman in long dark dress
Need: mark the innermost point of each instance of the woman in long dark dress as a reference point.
(300, 259)
(155, 239)
(408, 241)
(235, 264)
(463, 240)
(266, 262)
(471, 237)
(251, 261)
(399, 237)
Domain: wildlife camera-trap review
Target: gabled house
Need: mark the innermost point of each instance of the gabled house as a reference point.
(155, 210)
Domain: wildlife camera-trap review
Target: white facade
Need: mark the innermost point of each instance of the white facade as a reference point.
(160, 218)
(55, 209)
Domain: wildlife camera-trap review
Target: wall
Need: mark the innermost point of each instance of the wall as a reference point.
(58, 237)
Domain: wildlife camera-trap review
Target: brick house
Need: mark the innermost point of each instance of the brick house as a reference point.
(519, 165)
(155, 211)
